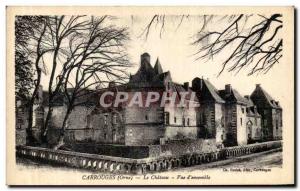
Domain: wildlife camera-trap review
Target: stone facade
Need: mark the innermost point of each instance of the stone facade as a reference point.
(210, 117)
(271, 114)
(253, 122)
(235, 116)
(155, 124)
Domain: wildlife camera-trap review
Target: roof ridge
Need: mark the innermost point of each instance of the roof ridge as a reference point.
(213, 91)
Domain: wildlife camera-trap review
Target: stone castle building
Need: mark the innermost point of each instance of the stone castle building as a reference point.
(146, 125)
(271, 113)
(222, 115)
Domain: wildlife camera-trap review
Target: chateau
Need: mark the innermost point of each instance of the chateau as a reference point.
(224, 117)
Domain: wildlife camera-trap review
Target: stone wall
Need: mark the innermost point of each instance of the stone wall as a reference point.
(77, 118)
(220, 123)
(182, 123)
(206, 117)
(143, 134)
(144, 115)
(121, 165)
(177, 148)
(108, 127)
(277, 123)
(241, 124)
(172, 148)
(253, 128)
(230, 125)
(144, 125)
(179, 132)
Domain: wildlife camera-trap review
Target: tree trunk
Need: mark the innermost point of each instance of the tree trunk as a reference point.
(60, 142)
(29, 134)
(44, 132)
(30, 140)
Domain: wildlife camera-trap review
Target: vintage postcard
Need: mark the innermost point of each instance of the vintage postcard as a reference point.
(184, 95)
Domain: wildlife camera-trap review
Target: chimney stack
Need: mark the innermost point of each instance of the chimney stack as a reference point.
(228, 88)
(111, 84)
(145, 57)
(197, 84)
(186, 85)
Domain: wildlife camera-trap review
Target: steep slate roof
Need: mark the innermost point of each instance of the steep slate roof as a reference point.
(176, 87)
(239, 98)
(157, 67)
(163, 76)
(249, 101)
(252, 112)
(234, 97)
(213, 91)
(147, 76)
(87, 97)
(260, 91)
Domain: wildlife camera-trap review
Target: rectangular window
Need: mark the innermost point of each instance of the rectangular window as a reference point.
(277, 124)
(115, 119)
(175, 119)
(114, 135)
(20, 120)
(188, 121)
(241, 121)
(146, 117)
(105, 119)
(167, 118)
(183, 122)
(243, 110)
(265, 122)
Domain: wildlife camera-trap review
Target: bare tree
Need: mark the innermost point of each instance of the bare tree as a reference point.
(31, 47)
(258, 46)
(96, 55)
(60, 30)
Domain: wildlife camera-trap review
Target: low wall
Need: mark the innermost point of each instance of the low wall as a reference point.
(137, 166)
(173, 148)
(20, 137)
(124, 151)
(179, 132)
(176, 148)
